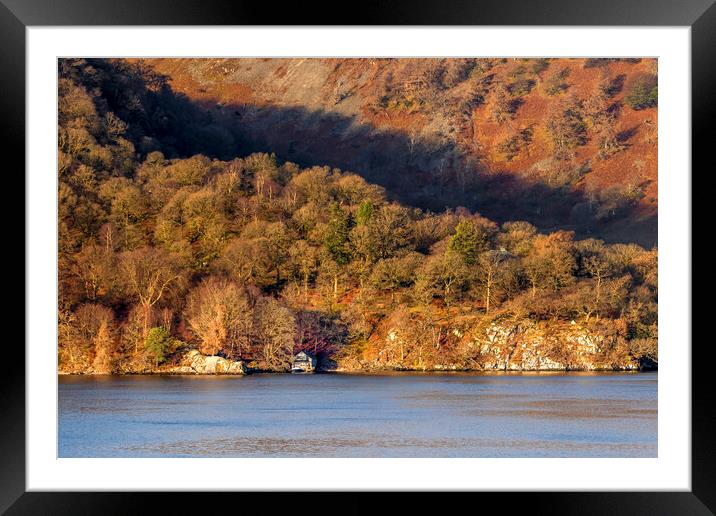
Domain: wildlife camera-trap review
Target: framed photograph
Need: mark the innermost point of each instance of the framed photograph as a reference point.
(266, 251)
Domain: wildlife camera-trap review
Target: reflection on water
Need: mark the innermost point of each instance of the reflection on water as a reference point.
(401, 415)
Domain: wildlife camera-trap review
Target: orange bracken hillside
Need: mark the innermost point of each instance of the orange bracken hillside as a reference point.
(426, 130)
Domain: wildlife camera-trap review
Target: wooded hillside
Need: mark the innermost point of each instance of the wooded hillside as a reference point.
(171, 238)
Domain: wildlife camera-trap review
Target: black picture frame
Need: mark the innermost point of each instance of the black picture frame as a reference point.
(700, 15)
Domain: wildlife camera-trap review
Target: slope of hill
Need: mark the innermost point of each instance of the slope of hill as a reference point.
(163, 250)
(562, 143)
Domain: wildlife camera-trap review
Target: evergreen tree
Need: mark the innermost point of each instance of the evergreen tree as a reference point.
(337, 241)
(466, 241)
(158, 343)
(365, 212)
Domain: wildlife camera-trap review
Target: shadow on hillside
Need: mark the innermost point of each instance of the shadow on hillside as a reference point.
(427, 173)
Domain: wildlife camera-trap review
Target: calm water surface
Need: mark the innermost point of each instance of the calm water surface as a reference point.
(322, 415)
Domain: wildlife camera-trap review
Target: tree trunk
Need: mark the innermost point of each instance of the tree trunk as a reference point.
(487, 296)
(305, 286)
(145, 331)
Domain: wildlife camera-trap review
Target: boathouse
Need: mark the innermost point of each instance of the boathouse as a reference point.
(303, 363)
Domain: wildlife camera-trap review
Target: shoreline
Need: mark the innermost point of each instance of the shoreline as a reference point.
(387, 372)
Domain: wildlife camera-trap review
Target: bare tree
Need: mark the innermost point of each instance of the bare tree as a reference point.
(305, 259)
(104, 346)
(275, 328)
(148, 273)
(490, 264)
(219, 315)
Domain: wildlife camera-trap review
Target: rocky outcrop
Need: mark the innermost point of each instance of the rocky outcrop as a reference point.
(554, 346)
(194, 362)
(476, 343)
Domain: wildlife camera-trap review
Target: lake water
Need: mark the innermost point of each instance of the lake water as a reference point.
(335, 415)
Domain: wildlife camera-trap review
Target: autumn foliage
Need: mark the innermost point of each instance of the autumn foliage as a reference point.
(254, 259)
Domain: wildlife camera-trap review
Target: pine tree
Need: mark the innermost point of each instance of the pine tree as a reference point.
(365, 212)
(466, 241)
(336, 240)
